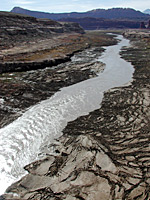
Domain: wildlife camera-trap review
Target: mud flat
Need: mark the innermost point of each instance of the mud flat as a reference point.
(104, 155)
(22, 89)
(82, 158)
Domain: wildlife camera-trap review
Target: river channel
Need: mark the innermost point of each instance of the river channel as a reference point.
(23, 140)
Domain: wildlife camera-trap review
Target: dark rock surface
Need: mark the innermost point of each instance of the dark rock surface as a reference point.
(104, 155)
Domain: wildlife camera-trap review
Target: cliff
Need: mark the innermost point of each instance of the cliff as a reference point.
(25, 42)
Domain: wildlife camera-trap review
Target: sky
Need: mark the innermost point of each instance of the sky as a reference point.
(57, 6)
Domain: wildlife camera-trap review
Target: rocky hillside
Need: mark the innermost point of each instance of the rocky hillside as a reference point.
(25, 39)
(16, 27)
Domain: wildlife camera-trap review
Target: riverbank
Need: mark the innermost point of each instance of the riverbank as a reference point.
(104, 154)
(28, 45)
(22, 88)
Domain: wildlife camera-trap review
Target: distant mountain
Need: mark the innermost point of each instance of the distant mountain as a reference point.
(147, 11)
(89, 23)
(114, 13)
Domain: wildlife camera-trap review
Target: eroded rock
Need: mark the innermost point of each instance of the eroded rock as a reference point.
(104, 155)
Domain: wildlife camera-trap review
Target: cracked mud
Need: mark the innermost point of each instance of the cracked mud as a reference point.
(104, 155)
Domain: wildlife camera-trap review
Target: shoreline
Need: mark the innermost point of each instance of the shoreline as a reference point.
(20, 90)
(106, 153)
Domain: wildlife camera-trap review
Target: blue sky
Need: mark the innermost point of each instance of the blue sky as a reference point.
(72, 5)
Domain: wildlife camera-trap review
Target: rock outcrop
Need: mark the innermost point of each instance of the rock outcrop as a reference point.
(137, 34)
(21, 28)
(21, 36)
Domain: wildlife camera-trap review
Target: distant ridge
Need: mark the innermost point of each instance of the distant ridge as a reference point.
(147, 11)
(114, 13)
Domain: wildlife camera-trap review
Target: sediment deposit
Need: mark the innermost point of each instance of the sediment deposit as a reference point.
(104, 155)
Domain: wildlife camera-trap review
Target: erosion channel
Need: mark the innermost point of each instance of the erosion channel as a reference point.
(22, 141)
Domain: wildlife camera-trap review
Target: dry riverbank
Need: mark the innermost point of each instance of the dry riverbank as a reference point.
(104, 155)
(23, 87)
(28, 45)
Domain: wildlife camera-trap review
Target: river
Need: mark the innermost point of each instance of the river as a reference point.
(23, 140)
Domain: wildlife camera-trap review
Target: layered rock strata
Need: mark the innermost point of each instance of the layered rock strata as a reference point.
(22, 36)
(16, 28)
(104, 155)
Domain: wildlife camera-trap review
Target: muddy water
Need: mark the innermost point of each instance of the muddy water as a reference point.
(23, 140)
